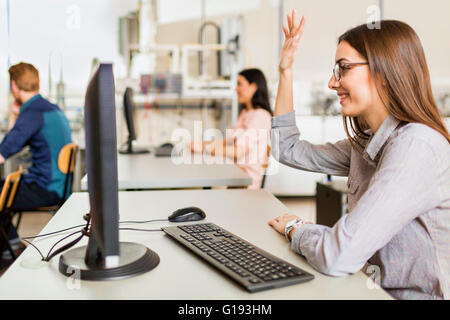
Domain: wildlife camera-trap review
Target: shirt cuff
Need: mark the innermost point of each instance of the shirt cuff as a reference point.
(285, 120)
(297, 237)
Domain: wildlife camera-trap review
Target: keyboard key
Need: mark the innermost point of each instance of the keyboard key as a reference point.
(254, 280)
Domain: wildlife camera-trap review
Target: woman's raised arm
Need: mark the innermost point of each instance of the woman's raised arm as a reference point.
(292, 34)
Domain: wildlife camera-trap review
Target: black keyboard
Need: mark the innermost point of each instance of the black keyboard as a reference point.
(251, 267)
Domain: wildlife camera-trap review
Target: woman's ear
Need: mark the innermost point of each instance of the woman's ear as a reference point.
(254, 87)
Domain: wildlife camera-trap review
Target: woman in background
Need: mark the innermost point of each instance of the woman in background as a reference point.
(247, 142)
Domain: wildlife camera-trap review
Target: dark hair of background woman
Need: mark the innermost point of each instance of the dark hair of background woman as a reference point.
(261, 97)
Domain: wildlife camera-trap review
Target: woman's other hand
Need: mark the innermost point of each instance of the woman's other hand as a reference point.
(292, 35)
(198, 146)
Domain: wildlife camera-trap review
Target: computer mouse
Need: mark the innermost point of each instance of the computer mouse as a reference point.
(187, 214)
(167, 145)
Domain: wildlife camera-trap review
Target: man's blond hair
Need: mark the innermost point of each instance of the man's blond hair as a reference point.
(25, 75)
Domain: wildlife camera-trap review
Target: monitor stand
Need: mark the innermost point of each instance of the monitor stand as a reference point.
(129, 149)
(134, 259)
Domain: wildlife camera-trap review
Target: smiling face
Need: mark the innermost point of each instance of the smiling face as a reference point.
(356, 88)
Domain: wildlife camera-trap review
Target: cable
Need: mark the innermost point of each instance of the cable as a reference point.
(145, 230)
(84, 232)
(42, 256)
(148, 221)
(72, 234)
(82, 225)
(51, 233)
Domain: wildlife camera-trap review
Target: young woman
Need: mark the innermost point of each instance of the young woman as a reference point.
(397, 159)
(247, 142)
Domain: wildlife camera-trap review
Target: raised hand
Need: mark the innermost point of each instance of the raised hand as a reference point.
(292, 34)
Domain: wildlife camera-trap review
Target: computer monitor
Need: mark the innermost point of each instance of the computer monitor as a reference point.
(104, 257)
(128, 109)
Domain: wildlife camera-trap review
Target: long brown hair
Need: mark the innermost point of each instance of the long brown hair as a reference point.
(398, 66)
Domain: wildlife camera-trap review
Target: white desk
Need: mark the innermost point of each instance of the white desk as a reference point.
(180, 274)
(149, 172)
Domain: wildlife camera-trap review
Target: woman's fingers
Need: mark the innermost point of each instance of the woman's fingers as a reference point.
(286, 33)
(289, 21)
(294, 20)
(297, 33)
(273, 223)
(294, 28)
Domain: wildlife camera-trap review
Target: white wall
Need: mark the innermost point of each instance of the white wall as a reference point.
(39, 28)
(431, 20)
(170, 11)
(4, 86)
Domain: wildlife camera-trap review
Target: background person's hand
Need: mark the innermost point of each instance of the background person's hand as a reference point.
(14, 111)
(195, 146)
(216, 146)
(15, 108)
(292, 35)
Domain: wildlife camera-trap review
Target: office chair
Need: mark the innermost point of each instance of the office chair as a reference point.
(7, 197)
(66, 164)
(265, 166)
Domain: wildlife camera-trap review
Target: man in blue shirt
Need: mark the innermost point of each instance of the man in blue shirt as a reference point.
(41, 125)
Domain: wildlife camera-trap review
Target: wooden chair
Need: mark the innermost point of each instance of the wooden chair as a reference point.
(7, 197)
(66, 164)
(265, 166)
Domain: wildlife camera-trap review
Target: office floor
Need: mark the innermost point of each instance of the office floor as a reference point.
(32, 223)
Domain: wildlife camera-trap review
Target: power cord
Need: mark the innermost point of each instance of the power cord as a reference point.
(81, 225)
(50, 255)
(145, 230)
(84, 232)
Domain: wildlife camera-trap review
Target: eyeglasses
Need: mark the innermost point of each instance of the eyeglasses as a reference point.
(339, 68)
